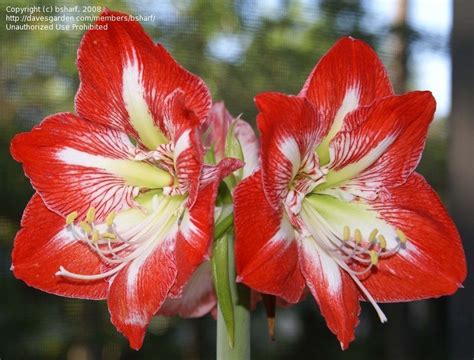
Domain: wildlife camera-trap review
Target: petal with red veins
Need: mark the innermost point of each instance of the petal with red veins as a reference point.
(332, 288)
(125, 78)
(266, 251)
(43, 244)
(289, 132)
(196, 228)
(433, 263)
(348, 76)
(75, 164)
(198, 296)
(138, 291)
(181, 126)
(381, 144)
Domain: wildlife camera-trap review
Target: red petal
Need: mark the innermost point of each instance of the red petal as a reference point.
(43, 245)
(198, 296)
(121, 67)
(196, 229)
(381, 145)
(290, 132)
(182, 128)
(265, 248)
(349, 67)
(433, 263)
(68, 162)
(333, 289)
(138, 291)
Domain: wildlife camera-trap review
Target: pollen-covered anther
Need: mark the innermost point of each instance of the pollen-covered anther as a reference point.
(374, 257)
(71, 218)
(346, 233)
(90, 215)
(109, 220)
(382, 241)
(402, 238)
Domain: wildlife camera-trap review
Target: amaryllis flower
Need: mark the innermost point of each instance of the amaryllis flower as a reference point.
(337, 207)
(124, 206)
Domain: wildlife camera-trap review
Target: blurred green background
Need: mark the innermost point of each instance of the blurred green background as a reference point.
(240, 48)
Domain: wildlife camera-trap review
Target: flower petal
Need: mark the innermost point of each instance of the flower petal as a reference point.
(266, 251)
(43, 244)
(381, 144)
(348, 76)
(181, 126)
(290, 131)
(198, 296)
(434, 262)
(138, 291)
(332, 288)
(125, 79)
(75, 164)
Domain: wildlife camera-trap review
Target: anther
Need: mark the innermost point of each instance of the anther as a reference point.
(109, 220)
(374, 257)
(401, 236)
(90, 216)
(108, 235)
(372, 236)
(357, 236)
(71, 218)
(95, 236)
(382, 241)
(86, 227)
(346, 233)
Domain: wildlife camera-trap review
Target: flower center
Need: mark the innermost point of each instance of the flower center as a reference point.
(164, 158)
(125, 236)
(308, 176)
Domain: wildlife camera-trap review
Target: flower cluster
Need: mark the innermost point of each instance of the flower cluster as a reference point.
(329, 202)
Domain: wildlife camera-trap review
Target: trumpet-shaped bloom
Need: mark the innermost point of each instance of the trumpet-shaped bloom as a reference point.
(124, 209)
(336, 206)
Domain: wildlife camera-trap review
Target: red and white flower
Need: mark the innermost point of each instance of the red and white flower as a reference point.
(336, 206)
(124, 208)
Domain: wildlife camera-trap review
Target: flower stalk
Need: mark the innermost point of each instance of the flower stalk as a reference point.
(233, 319)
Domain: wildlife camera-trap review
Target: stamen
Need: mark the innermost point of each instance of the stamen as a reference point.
(401, 236)
(374, 257)
(117, 249)
(90, 216)
(109, 220)
(382, 241)
(95, 236)
(357, 236)
(346, 233)
(71, 218)
(86, 227)
(372, 236)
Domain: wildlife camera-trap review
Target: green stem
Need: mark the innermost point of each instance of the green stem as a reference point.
(223, 225)
(241, 306)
